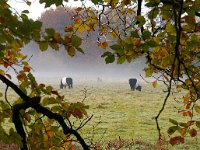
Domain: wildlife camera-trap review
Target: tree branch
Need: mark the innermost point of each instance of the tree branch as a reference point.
(34, 103)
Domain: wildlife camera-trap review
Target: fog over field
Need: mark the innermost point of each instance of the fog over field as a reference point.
(88, 66)
(56, 64)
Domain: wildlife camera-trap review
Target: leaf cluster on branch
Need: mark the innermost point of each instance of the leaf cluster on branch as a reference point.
(167, 33)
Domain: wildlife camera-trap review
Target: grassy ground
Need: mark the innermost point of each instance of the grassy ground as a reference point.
(120, 112)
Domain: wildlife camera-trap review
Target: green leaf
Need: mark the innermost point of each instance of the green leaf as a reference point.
(4, 105)
(141, 20)
(48, 3)
(152, 43)
(97, 1)
(49, 89)
(31, 77)
(172, 129)
(198, 124)
(37, 24)
(197, 109)
(43, 46)
(54, 46)
(110, 59)
(129, 46)
(146, 35)
(1, 94)
(28, 3)
(80, 50)
(135, 34)
(151, 4)
(185, 125)
(25, 11)
(173, 121)
(170, 28)
(116, 47)
(153, 13)
(106, 54)
(50, 32)
(148, 72)
(76, 41)
(121, 59)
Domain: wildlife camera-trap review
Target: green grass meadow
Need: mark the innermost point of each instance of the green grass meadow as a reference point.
(119, 112)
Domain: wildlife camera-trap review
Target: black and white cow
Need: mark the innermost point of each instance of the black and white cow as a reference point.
(66, 82)
(134, 84)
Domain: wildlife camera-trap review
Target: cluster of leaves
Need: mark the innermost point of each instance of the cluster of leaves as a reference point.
(40, 112)
(167, 33)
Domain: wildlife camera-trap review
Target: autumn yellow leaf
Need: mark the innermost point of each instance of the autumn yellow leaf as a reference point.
(114, 34)
(2, 72)
(188, 82)
(81, 28)
(155, 84)
(179, 88)
(57, 37)
(103, 31)
(71, 51)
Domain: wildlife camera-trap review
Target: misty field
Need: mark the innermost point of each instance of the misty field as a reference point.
(119, 112)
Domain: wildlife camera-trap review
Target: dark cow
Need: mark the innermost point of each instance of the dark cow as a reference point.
(134, 84)
(66, 82)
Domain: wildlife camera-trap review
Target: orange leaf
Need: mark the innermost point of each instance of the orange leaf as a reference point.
(26, 69)
(193, 132)
(6, 64)
(69, 28)
(72, 148)
(27, 117)
(50, 133)
(21, 77)
(176, 140)
(78, 9)
(68, 40)
(182, 131)
(42, 85)
(188, 106)
(8, 75)
(54, 92)
(103, 45)
(155, 84)
(77, 21)
(137, 42)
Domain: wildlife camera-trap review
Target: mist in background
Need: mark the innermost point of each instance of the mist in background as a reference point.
(81, 67)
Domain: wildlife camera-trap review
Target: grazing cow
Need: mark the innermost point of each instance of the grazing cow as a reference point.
(66, 82)
(134, 84)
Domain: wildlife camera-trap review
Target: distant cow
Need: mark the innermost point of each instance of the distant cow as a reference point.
(134, 84)
(99, 79)
(66, 82)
